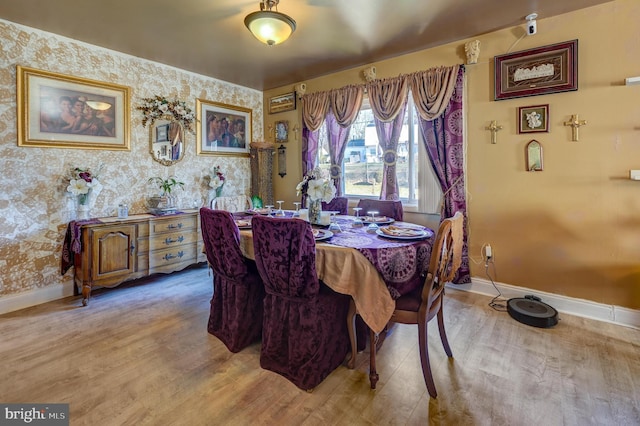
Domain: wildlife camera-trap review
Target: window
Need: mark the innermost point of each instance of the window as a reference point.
(362, 164)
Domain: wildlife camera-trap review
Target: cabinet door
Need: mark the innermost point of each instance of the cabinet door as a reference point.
(113, 251)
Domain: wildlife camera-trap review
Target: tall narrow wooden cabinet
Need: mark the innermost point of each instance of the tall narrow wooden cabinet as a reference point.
(118, 250)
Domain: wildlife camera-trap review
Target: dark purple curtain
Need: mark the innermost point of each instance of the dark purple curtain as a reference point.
(388, 136)
(444, 140)
(338, 137)
(309, 149)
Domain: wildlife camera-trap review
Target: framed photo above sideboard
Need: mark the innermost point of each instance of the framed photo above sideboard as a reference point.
(222, 129)
(61, 111)
(539, 71)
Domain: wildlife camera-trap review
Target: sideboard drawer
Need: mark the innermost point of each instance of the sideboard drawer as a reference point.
(171, 257)
(173, 224)
(172, 239)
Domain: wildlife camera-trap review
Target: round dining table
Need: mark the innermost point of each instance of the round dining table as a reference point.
(374, 269)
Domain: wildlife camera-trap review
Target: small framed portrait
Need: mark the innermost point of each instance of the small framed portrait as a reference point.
(223, 129)
(282, 131)
(533, 119)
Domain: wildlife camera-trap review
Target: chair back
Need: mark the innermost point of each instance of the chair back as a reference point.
(285, 253)
(238, 203)
(337, 204)
(389, 208)
(221, 239)
(446, 257)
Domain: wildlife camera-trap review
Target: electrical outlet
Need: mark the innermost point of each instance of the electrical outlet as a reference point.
(488, 254)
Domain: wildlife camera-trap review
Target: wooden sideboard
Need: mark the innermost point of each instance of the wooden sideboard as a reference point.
(119, 250)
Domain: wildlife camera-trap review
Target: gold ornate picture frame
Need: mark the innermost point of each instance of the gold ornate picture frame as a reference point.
(61, 111)
(282, 103)
(222, 129)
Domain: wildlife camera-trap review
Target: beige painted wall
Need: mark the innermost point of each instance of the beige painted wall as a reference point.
(32, 203)
(573, 229)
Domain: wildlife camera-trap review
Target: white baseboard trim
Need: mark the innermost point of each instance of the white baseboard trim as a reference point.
(34, 297)
(579, 307)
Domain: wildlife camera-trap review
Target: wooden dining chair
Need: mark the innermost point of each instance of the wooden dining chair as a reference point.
(338, 204)
(426, 302)
(388, 208)
(238, 292)
(304, 335)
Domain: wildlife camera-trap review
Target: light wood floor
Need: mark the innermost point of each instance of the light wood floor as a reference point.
(140, 355)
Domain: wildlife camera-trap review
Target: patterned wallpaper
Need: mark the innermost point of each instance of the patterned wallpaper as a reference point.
(34, 207)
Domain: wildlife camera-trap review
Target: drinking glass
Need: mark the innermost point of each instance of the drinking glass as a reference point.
(334, 226)
(357, 222)
(269, 211)
(373, 226)
(297, 212)
(280, 212)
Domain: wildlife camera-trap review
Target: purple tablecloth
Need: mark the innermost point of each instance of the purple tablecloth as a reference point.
(402, 263)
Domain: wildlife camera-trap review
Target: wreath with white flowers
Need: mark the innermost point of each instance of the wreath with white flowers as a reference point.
(158, 106)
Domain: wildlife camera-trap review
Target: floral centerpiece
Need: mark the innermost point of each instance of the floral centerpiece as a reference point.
(158, 106)
(317, 188)
(216, 180)
(85, 186)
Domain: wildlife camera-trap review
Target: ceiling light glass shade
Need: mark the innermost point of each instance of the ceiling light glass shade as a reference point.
(270, 27)
(97, 105)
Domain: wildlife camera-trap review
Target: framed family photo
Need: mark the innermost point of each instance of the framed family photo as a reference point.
(61, 111)
(533, 119)
(539, 71)
(222, 129)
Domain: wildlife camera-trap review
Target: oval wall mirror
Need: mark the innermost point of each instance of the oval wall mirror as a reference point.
(166, 141)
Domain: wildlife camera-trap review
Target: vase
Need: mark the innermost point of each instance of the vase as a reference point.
(219, 191)
(315, 210)
(82, 206)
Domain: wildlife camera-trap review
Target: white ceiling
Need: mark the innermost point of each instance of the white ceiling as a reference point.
(209, 37)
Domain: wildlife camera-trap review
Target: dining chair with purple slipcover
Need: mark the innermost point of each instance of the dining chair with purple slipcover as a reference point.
(337, 204)
(388, 208)
(304, 335)
(238, 292)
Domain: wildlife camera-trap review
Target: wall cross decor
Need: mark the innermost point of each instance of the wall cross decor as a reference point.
(494, 128)
(575, 124)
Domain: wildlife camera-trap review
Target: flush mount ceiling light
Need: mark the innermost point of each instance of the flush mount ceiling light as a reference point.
(268, 26)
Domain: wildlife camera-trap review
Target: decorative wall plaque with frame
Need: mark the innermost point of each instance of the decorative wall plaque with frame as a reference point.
(282, 131)
(533, 155)
(533, 119)
(282, 103)
(61, 111)
(222, 129)
(539, 71)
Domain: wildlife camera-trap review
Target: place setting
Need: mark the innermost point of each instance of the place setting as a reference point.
(403, 232)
